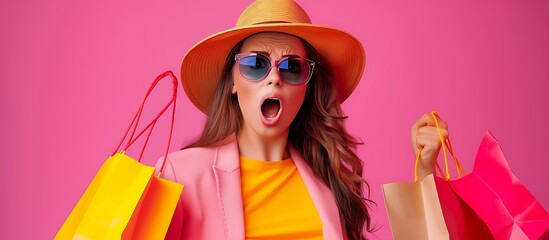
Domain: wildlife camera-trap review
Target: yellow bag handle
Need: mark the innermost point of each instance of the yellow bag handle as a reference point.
(445, 143)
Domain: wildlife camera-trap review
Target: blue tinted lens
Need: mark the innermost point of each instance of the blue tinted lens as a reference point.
(254, 67)
(294, 71)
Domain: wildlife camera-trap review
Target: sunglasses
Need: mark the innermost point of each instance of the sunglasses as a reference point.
(293, 70)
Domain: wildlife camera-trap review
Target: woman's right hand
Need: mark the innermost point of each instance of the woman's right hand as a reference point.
(425, 137)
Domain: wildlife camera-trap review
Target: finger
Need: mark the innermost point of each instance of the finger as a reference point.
(442, 123)
(425, 120)
(427, 141)
(426, 125)
(433, 131)
(430, 150)
(421, 122)
(428, 120)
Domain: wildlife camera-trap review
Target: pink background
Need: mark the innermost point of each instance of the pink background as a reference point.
(73, 73)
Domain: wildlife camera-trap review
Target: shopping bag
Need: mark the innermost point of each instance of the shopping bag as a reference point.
(429, 209)
(414, 210)
(125, 200)
(461, 220)
(499, 198)
(155, 210)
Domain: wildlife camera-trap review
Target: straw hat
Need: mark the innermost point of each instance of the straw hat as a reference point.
(202, 66)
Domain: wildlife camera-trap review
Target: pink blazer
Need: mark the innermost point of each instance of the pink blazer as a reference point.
(211, 203)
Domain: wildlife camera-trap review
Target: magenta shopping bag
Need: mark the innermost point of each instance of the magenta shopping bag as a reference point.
(499, 198)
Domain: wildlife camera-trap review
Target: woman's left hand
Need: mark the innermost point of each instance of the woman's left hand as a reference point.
(425, 136)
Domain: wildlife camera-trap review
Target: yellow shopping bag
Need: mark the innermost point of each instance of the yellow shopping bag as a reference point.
(125, 200)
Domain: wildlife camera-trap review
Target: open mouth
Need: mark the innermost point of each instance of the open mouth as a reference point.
(270, 107)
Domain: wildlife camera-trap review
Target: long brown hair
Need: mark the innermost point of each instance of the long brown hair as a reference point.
(317, 133)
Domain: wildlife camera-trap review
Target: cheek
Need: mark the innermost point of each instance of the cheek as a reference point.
(299, 94)
(244, 93)
(296, 98)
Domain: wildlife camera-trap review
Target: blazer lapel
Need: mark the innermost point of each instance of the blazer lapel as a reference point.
(227, 175)
(322, 198)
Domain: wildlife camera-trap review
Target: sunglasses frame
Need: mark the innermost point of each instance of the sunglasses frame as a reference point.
(274, 63)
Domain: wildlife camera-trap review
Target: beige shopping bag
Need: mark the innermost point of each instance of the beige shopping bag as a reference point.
(414, 210)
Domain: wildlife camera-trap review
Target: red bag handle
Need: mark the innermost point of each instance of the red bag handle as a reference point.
(151, 125)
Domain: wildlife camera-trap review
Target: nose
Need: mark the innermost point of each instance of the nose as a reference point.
(273, 76)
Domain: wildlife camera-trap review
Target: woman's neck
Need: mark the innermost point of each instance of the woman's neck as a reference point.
(258, 147)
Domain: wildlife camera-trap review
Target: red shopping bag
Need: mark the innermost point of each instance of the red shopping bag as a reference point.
(499, 198)
(461, 220)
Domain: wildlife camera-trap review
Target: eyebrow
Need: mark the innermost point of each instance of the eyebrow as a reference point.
(269, 54)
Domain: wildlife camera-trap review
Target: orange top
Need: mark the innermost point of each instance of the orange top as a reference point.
(276, 202)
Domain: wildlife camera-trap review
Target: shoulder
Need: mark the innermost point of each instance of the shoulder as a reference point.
(198, 163)
(196, 155)
(187, 163)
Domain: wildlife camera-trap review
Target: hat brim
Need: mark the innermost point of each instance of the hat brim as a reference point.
(202, 66)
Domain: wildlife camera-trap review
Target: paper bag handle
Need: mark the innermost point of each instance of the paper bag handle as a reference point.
(151, 125)
(445, 143)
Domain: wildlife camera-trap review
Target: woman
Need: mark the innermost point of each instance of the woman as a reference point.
(274, 160)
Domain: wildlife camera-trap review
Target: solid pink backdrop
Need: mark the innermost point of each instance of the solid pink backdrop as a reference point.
(73, 73)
